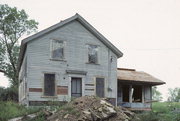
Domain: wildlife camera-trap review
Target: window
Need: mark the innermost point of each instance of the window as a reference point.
(57, 51)
(100, 87)
(49, 84)
(93, 54)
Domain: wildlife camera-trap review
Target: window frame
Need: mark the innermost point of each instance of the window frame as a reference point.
(51, 49)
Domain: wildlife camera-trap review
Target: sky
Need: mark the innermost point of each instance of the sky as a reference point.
(146, 31)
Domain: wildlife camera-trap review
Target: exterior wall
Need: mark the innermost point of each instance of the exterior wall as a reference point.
(147, 96)
(76, 39)
(23, 81)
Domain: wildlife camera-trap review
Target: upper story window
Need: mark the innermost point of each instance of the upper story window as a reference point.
(93, 54)
(57, 51)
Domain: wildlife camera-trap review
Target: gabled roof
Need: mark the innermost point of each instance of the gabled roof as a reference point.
(62, 23)
(131, 75)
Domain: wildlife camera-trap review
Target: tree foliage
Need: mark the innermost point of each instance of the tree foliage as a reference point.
(156, 95)
(174, 94)
(14, 24)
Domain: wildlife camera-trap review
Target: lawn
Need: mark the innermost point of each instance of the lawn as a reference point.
(10, 110)
(162, 111)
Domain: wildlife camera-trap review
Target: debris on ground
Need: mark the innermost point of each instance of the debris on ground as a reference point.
(91, 108)
(87, 108)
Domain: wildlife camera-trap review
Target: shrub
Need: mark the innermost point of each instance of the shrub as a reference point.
(8, 94)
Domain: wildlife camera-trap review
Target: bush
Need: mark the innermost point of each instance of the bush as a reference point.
(8, 94)
(162, 111)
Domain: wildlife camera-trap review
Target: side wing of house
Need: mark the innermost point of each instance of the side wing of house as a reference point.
(69, 62)
(135, 89)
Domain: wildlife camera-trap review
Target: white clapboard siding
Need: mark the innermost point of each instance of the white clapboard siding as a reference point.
(76, 38)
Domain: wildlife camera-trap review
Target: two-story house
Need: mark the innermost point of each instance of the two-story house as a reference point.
(69, 59)
(72, 59)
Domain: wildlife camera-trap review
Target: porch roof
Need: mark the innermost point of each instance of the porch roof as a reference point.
(131, 75)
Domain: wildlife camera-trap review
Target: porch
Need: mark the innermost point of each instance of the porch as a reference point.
(135, 89)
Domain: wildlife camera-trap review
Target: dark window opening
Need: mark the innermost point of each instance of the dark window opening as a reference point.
(49, 84)
(136, 93)
(100, 87)
(93, 54)
(76, 87)
(125, 89)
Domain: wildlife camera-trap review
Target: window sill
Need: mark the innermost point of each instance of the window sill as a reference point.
(49, 96)
(53, 59)
(92, 63)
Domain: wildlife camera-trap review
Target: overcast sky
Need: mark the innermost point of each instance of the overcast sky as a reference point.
(146, 31)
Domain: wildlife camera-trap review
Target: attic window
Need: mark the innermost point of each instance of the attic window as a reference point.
(93, 54)
(57, 51)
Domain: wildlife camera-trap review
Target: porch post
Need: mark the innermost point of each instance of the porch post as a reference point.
(130, 93)
(143, 92)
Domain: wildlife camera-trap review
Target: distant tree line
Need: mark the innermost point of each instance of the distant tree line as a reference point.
(173, 94)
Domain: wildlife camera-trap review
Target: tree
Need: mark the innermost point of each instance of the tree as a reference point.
(156, 95)
(14, 24)
(174, 94)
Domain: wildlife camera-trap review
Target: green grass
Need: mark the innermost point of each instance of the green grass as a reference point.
(162, 111)
(10, 110)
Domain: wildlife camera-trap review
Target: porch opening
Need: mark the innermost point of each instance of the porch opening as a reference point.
(125, 91)
(131, 93)
(136, 93)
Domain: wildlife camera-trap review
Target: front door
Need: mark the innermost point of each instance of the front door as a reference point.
(76, 87)
(100, 87)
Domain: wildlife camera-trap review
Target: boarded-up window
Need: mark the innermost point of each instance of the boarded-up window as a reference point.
(49, 84)
(93, 54)
(100, 87)
(76, 87)
(57, 49)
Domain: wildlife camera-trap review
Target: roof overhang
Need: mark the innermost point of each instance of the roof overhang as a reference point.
(137, 77)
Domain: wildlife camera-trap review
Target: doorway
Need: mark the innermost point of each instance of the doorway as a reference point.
(76, 87)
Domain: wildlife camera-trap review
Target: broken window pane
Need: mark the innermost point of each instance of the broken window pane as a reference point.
(93, 54)
(57, 49)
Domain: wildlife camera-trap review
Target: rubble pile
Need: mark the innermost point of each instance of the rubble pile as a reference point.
(91, 108)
